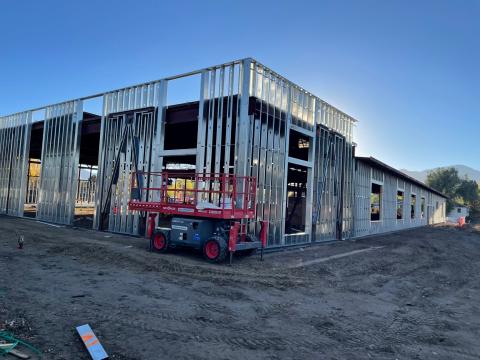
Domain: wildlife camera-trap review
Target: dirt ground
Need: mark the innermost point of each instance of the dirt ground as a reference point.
(409, 295)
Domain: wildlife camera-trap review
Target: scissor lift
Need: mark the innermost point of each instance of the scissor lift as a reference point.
(207, 212)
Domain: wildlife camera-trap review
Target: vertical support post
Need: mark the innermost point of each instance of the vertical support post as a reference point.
(202, 124)
(354, 195)
(102, 155)
(242, 165)
(24, 163)
(285, 165)
(74, 160)
(243, 120)
(232, 239)
(310, 180)
(12, 141)
(263, 236)
(159, 134)
(228, 125)
(202, 131)
(218, 141)
(210, 122)
(151, 224)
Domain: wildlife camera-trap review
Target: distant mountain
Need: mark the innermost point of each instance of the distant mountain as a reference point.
(462, 171)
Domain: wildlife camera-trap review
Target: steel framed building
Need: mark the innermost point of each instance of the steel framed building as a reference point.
(57, 162)
(403, 202)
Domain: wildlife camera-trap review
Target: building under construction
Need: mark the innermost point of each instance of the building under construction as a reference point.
(68, 163)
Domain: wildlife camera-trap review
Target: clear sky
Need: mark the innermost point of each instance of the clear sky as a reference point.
(409, 71)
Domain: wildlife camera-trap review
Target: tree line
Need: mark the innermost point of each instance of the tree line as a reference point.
(459, 191)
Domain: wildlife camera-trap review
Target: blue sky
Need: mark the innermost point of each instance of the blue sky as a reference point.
(408, 70)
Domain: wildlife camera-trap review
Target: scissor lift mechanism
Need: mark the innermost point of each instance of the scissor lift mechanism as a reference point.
(209, 211)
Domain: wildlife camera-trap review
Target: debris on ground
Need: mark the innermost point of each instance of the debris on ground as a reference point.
(9, 344)
(91, 342)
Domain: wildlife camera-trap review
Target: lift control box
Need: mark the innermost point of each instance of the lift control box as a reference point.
(192, 232)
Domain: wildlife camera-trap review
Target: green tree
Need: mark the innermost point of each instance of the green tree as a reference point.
(447, 181)
(475, 207)
(468, 191)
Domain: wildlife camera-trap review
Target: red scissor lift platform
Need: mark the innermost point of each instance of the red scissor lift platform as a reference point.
(223, 198)
(212, 196)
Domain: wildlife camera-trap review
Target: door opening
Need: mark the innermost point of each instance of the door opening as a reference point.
(33, 173)
(296, 204)
(87, 171)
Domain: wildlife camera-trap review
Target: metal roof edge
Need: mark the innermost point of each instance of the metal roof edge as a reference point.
(380, 164)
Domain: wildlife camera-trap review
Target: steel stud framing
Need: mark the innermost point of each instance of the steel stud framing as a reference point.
(246, 115)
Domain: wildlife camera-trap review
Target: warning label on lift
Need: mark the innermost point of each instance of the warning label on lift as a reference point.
(178, 227)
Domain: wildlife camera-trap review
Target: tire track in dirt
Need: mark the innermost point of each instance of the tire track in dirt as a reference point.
(465, 353)
(202, 320)
(220, 276)
(239, 340)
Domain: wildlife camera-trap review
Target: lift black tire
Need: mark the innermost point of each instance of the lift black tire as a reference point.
(215, 249)
(159, 241)
(248, 252)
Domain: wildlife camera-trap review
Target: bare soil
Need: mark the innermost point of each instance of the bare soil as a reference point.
(412, 295)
